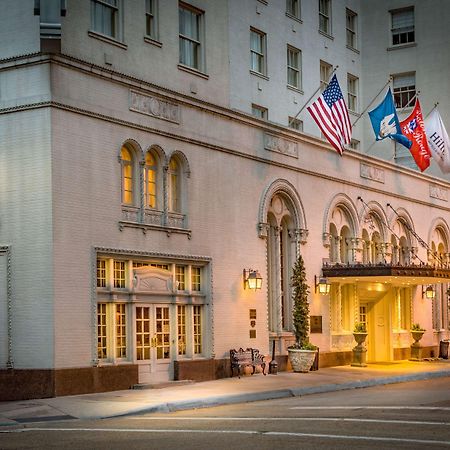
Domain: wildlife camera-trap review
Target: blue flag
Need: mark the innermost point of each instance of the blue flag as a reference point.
(385, 122)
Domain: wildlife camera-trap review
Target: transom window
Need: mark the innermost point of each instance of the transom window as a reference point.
(105, 17)
(351, 23)
(190, 36)
(325, 16)
(404, 90)
(352, 93)
(151, 18)
(402, 26)
(196, 273)
(293, 67)
(257, 51)
(293, 8)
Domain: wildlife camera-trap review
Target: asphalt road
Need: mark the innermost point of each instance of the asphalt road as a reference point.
(413, 415)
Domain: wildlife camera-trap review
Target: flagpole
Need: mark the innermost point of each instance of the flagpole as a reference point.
(431, 110)
(309, 99)
(370, 104)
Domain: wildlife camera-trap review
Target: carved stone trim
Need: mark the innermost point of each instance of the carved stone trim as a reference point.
(438, 192)
(280, 145)
(154, 106)
(371, 172)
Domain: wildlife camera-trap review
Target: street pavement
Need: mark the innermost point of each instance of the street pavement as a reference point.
(191, 395)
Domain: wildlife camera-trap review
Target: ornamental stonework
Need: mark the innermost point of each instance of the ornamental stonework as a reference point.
(280, 145)
(438, 192)
(372, 173)
(154, 106)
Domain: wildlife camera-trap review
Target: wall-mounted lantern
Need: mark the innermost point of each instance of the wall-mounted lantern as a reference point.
(252, 279)
(429, 292)
(321, 284)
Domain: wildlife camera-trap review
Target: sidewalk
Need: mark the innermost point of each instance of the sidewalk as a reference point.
(178, 396)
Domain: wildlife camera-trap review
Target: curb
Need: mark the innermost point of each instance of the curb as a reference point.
(277, 394)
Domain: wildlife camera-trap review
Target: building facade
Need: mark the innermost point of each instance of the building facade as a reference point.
(150, 153)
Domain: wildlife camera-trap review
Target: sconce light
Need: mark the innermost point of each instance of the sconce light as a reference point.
(429, 292)
(322, 284)
(252, 279)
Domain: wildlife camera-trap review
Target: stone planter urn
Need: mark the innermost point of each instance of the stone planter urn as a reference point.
(301, 360)
(416, 348)
(359, 352)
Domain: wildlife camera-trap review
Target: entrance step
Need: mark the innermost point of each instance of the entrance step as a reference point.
(162, 385)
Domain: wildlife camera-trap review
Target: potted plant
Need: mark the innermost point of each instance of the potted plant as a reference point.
(416, 349)
(359, 352)
(302, 353)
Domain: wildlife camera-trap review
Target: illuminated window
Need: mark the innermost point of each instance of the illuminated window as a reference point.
(101, 273)
(150, 173)
(119, 274)
(101, 331)
(162, 333)
(127, 161)
(121, 331)
(197, 335)
(180, 277)
(142, 333)
(196, 278)
(181, 327)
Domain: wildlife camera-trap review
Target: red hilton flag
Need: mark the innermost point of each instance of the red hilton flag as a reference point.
(414, 129)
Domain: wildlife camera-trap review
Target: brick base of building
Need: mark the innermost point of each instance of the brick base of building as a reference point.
(23, 384)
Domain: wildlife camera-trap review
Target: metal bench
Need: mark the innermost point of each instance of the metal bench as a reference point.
(242, 358)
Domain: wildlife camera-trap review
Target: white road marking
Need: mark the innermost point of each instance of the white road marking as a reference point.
(418, 408)
(251, 432)
(298, 419)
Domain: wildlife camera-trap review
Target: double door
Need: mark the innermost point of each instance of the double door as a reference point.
(153, 337)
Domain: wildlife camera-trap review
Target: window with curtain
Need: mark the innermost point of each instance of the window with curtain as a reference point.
(402, 26)
(325, 16)
(105, 17)
(190, 37)
(258, 51)
(293, 67)
(293, 8)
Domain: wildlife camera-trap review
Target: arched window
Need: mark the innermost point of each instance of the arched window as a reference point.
(174, 197)
(128, 184)
(150, 180)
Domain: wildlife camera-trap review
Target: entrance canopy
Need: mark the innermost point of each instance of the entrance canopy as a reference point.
(386, 273)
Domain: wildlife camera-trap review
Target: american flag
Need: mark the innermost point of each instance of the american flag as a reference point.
(331, 114)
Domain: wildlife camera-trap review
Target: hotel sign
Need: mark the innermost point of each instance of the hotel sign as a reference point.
(372, 173)
(154, 106)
